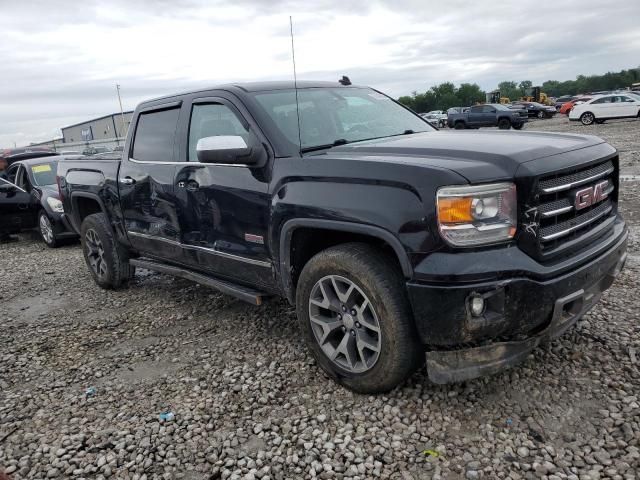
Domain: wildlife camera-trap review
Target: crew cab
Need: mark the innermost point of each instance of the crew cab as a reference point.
(488, 115)
(397, 243)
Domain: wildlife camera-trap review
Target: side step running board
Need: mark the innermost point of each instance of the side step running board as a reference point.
(254, 297)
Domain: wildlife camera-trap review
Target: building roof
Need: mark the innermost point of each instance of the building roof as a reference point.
(96, 119)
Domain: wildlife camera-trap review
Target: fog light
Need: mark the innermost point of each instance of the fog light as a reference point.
(476, 305)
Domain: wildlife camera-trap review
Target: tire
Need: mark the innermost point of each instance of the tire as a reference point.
(47, 232)
(371, 283)
(107, 260)
(518, 126)
(504, 124)
(587, 118)
(540, 114)
(459, 125)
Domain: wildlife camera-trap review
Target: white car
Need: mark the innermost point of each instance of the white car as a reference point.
(437, 118)
(606, 107)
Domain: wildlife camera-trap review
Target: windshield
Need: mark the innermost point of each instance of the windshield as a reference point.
(333, 116)
(44, 174)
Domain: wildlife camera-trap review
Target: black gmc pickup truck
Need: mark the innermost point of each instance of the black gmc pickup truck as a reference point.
(396, 242)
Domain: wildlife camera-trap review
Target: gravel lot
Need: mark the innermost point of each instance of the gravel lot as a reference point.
(248, 402)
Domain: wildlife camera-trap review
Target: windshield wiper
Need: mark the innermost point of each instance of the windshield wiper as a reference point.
(340, 141)
(343, 141)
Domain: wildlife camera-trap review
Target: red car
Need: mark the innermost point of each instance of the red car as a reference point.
(566, 107)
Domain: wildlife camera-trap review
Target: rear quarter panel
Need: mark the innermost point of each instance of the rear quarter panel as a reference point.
(92, 179)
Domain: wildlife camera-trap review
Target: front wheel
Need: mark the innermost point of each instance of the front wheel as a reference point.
(355, 316)
(46, 230)
(540, 114)
(587, 118)
(459, 125)
(107, 260)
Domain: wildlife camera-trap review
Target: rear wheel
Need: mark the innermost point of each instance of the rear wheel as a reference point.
(107, 260)
(46, 230)
(459, 125)
(587, 118)
(356, 319)
(504, 124)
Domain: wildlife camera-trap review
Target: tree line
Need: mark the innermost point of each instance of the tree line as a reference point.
(447, 95)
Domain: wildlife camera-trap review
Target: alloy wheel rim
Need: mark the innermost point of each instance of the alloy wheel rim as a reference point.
(45, 229)
(588, 118)
(95, 253)
(344, 323)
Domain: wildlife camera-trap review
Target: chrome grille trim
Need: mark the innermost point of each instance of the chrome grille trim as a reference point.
(571, 226)
(549, 186)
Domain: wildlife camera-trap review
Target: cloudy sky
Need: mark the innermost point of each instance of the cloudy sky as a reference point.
(60, 59)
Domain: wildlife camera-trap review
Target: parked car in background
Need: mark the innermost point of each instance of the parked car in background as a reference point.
(95, 150)
(437, 118)
(9, 156)
(489, 115)
(29, 199)
(558, 102)
(535, 109)
(566, 107)
(606, 107)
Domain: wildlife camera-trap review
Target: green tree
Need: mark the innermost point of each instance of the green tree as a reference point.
(525, 87)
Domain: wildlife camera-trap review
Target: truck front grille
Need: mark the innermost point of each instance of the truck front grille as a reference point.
(570, 210)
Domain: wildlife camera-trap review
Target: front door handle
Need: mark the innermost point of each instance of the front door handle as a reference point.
(190, 185)
(127, 181)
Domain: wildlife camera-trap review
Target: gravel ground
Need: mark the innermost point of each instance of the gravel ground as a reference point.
(85, 375)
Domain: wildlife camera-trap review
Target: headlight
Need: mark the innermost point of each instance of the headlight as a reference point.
(477, 214)
(55, 204)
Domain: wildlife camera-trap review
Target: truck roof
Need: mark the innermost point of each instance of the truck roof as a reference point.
(247, 87)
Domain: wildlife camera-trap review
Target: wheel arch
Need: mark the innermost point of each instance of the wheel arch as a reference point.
(346, 231)
(85, 204)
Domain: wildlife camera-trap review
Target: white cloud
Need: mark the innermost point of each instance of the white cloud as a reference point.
(60, 60)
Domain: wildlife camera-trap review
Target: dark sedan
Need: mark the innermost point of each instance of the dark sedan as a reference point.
(9, 156)
(29, 199)
(535, 109)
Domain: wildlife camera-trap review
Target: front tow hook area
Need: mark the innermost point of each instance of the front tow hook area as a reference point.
(460, 365)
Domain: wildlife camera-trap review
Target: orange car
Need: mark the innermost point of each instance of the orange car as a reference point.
(566, 107)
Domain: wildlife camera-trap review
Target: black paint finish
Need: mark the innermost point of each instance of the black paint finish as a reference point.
(236, 221)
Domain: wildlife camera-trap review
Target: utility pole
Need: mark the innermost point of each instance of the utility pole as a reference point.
(121, 111)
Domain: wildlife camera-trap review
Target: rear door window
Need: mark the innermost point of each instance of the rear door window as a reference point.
(155, 136)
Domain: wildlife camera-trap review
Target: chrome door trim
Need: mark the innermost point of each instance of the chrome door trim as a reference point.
(191, 163)
(213, 251)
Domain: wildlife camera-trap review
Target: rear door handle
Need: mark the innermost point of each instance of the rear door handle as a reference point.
(127, 181)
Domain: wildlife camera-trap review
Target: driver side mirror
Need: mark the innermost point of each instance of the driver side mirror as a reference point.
(228, 149)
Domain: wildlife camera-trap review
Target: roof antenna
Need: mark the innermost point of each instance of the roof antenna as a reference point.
(295, 84)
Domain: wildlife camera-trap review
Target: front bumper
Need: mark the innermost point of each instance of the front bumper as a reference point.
(521, 312)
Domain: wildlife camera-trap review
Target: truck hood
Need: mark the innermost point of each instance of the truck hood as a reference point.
(476, 155)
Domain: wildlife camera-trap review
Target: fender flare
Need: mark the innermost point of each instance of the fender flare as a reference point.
(290, 226)
(74, 217)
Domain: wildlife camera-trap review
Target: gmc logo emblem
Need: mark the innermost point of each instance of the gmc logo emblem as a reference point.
(591, 195)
